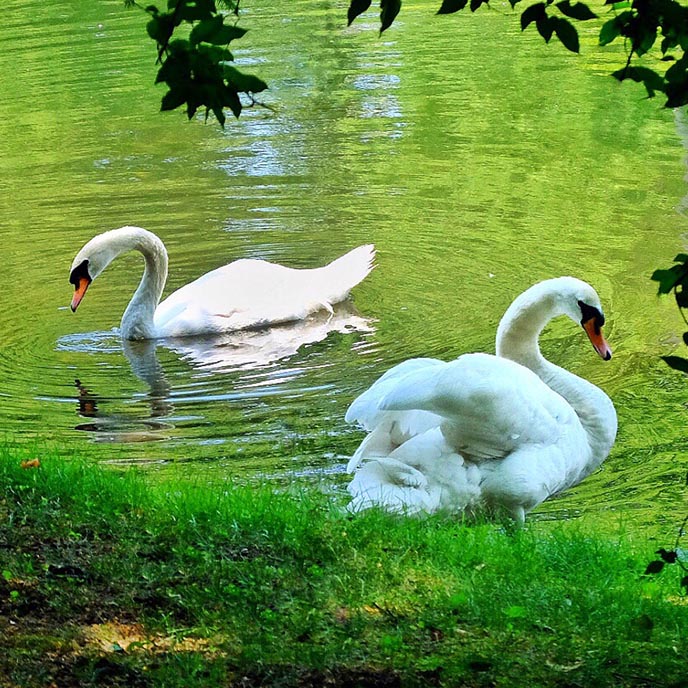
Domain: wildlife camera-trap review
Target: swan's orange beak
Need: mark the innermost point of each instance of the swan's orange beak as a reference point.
(594, 333)
(79, 292)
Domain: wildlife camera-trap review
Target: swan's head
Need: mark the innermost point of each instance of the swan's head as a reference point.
(536, 306)
(96, 255)
(88, 264)
(580, 302)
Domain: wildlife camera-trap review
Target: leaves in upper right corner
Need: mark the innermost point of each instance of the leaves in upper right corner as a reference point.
(566, 33)
(451, 6)
(577, 10)
(388, 13)
(214, 31)
(355, 8)
(614, 27)
(532, 14)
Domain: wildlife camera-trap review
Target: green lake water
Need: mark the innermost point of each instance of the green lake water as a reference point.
(478, 160)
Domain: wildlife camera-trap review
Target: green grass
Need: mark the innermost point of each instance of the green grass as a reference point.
(109, 580)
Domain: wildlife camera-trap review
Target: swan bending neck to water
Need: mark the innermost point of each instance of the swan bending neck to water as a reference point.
(242, 295)
(500, 432)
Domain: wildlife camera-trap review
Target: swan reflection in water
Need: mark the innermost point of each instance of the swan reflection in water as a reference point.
(236, 351)
(120, 427)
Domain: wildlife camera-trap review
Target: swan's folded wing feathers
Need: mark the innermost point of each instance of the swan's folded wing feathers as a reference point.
(392, 485)
(365, 409)
(490, 405)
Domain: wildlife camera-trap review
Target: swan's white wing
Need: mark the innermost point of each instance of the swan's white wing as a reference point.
(255, 293)
(489, 406)
(366, 408)
(389, 429)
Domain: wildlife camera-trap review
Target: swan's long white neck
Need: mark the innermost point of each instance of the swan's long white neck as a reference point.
(517, 339)
(137, 321)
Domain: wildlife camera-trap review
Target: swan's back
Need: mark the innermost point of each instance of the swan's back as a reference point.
(250, 293)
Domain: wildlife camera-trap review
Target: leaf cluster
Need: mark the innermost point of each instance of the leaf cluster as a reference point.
(675, 279)
(638, 23)
(196, 68)
(675, 556)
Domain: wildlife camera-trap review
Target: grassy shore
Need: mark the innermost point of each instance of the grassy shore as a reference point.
(109, 580)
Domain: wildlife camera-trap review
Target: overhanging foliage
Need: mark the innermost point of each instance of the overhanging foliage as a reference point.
(196, 68)
(198, 73)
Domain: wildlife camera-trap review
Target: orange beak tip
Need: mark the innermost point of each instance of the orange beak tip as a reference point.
(79, 292)
(598, 341)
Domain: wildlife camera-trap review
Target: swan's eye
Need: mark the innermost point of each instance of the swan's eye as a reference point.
(79, 272)
(591, 313)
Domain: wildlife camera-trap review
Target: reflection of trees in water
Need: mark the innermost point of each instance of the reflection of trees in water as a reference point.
(245, 350)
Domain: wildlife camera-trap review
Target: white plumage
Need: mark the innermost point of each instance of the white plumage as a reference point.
(489, 432)
(242, 295)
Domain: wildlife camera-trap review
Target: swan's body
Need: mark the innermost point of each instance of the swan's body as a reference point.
(500, 432)
(242, 295)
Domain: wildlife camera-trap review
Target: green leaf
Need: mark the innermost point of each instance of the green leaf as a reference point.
(172, 99)
(566, 33)
(245, 83)
(668, 279)
(451, 6)
(544, 27)
(647, 35)
(388, 12)
(669, 556)
(220, 115)
(215, 32)
(652, 81)
(176, 69)
(231, 100)
(355, 8)
(681, 296)
(609, 31)
(677, 363)
(160, 28)
(191, 109)
(195, 10)
(531, 14)
(579, 10)
(655, 566)
(7, 575)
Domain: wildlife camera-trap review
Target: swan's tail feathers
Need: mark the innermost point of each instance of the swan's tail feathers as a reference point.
(424, 475)
(344, 273)
(392, 486)
(376, 444)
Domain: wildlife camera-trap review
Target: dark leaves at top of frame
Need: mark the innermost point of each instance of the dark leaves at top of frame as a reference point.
(355, 8)
(451, 6)
(388, 13)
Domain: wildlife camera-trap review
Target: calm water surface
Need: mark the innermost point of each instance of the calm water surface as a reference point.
(477, 169)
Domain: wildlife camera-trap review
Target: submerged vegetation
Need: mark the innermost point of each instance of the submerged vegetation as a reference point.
(107, 579)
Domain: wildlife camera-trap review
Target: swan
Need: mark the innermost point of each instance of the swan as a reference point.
(242, 295)
(486, 433)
